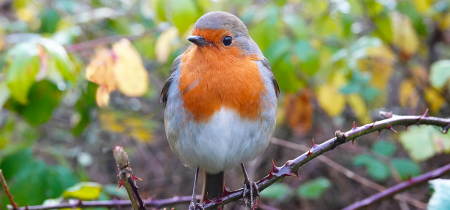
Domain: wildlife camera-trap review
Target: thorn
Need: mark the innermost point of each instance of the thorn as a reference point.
(379, 132)
(354, 125)
(406, 128)
(288, 163)
(373, 124)
(120, 184)
(391, 128)
(136, 178)
(424, 115)
(353, 141)
(206, 199)
(309, 153)
(314, 144)
(296, 173)
(275, 168)
(445, 129)
(225, 191)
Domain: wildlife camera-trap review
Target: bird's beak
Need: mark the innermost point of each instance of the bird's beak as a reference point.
(198, 40)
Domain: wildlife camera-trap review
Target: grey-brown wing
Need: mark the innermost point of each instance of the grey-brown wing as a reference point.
(165, 89)
(274, 80)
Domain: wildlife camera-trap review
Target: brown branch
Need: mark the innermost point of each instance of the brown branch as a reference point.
(127, 179)
(350, 174)
(5, 185)
(88, 45)
(292, 166)
(400, 187)
(114, 203)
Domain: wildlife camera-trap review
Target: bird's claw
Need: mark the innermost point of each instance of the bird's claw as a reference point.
(195, 206)
(252, 188)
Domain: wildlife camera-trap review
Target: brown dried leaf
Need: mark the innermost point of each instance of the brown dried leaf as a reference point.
(299, 111)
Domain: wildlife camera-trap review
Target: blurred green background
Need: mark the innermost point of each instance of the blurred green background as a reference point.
(336, 62)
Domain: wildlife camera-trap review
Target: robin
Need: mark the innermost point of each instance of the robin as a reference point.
(220, 102)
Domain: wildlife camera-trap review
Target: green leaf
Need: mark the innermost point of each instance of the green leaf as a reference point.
(49, 21)
(376, 169)
(59, 179)
(440, 200)
(60, 57)
(424, 142)
(286, 76)
(297, 25)
(16, 162)
(384, 148)
(383, 28)
(408, 8)
(328, 26)
(43, 98)
(314, 189)
(277, 50)
(440, 73)
(184, 13)
(309, 57)
(406, 168)
(266, 31)
(22, 65)
(84, 191)
(111, 189)
(278, 191)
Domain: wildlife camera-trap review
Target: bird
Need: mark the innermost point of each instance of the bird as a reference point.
(220, 102)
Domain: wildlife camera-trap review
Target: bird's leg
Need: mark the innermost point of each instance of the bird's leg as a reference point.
(251, 187)
(194, 205)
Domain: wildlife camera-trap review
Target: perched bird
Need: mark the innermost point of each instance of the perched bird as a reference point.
(220, 102)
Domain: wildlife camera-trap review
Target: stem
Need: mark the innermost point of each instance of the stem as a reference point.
(5, 185)
(400, 187)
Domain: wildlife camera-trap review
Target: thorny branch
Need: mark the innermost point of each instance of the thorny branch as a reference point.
(290, 168)
(400, 187)
(350, 174)
(127, 179)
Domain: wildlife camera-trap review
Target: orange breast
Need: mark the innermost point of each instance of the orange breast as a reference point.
(213, 77)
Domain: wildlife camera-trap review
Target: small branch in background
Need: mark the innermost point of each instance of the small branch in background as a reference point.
(5, 186)
(118, 204)
(127, 179)
(400, 187)
(350, 174)
(89, 45)
(291, 167)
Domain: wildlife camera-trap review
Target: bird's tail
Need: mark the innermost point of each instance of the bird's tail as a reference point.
(212, 185)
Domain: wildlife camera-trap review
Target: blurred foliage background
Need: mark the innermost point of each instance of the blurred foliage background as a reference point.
(336, 61)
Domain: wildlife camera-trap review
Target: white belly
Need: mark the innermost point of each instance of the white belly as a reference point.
(220, 144)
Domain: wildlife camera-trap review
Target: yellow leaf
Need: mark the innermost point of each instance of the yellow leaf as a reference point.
(380, 61)
(25, 14)
(422, 5)
(330, 99)
(434, 99)
(99, 70)
(142, 135)
(137, 126)
(163, 45)
(84, 191)
(131, 76)
(404, 34)
(444, 21)
(407, 95)
(359, 108)
(102, 96)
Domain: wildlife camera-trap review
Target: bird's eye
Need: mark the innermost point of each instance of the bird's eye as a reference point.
(227, 40)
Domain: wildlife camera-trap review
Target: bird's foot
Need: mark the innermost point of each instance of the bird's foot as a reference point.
(195, 206)
(252, 188)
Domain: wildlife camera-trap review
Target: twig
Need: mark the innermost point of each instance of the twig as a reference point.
(350, 174)
(400, 187)
(88, 45)
(292, 166)
(113, 203)
(5, 185)
(127, 179)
